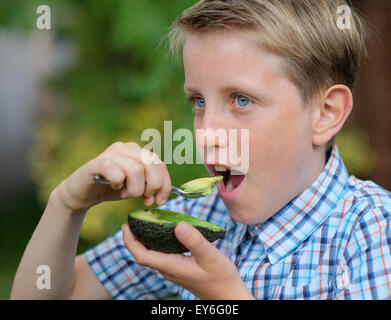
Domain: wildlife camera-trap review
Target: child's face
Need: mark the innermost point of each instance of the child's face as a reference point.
(237, 85)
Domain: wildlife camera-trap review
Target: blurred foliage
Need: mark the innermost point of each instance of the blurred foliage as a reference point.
(122, 83)
(359, 158)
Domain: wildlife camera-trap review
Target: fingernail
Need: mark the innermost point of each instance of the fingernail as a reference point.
(183, 229)
(162, 202)
(149, 201)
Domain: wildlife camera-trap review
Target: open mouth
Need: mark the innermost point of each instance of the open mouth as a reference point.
(231, 178)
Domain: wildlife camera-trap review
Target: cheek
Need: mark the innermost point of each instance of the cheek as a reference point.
(279, 142)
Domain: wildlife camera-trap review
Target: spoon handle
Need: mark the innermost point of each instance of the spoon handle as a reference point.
(99, 179)
(174, 189)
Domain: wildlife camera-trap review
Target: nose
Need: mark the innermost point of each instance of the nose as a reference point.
(211, 118)
(212, 137)
(212, 130)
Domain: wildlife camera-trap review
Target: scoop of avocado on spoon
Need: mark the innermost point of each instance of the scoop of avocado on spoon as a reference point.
(203, 185)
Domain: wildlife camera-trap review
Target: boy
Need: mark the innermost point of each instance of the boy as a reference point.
(298, 227)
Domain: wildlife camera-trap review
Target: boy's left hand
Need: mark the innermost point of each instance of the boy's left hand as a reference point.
(207, 273)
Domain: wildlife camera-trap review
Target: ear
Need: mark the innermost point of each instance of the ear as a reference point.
(331, 114)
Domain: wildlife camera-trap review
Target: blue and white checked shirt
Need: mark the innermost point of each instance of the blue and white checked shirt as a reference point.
(331, 242)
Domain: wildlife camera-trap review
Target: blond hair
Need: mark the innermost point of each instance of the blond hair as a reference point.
(304, 33)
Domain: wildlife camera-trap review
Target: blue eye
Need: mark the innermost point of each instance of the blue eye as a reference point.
(242, 100)
(200, 102)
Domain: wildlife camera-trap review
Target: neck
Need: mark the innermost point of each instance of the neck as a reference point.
(319, 159)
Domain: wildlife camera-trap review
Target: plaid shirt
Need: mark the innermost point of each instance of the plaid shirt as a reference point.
(331, 242)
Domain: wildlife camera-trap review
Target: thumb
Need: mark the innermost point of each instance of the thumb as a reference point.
(203, 251)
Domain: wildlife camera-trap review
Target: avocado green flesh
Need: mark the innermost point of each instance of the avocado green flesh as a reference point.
(155, 229)
(206, 185)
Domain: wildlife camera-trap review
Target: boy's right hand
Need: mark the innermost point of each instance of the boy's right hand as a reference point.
(129, 176)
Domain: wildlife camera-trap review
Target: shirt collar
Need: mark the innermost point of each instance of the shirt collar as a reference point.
(296, 221)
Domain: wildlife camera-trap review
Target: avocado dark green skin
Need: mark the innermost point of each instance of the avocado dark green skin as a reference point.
(161, 237)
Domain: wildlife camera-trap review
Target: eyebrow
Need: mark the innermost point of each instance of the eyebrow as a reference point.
(189, 89)
(256, 92)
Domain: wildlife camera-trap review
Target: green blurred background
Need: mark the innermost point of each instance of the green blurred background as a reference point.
(100, 76)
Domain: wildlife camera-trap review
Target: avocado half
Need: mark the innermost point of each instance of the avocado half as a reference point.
(154, 228)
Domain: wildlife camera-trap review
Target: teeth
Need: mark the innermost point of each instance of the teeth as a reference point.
(220, 168)
(236, 172)
(229, 186)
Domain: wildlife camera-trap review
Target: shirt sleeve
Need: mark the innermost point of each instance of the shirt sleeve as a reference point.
(369, 258)
(123, 278)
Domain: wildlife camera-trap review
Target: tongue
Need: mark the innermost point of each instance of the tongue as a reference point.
(236, 180)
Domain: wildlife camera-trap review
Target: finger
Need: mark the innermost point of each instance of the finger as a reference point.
(135, 247)
(119, 147)
(157, 178)
(149, 200)
(134, 151)
(203, 251)
(154, 178)
(164, 192)
(133, 175)
(154, 174)
(111, 172)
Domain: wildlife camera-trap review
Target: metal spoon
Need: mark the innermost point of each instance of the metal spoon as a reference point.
(186, 194)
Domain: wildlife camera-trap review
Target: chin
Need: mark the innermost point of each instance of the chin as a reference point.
(242, 216)
(245, 211)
